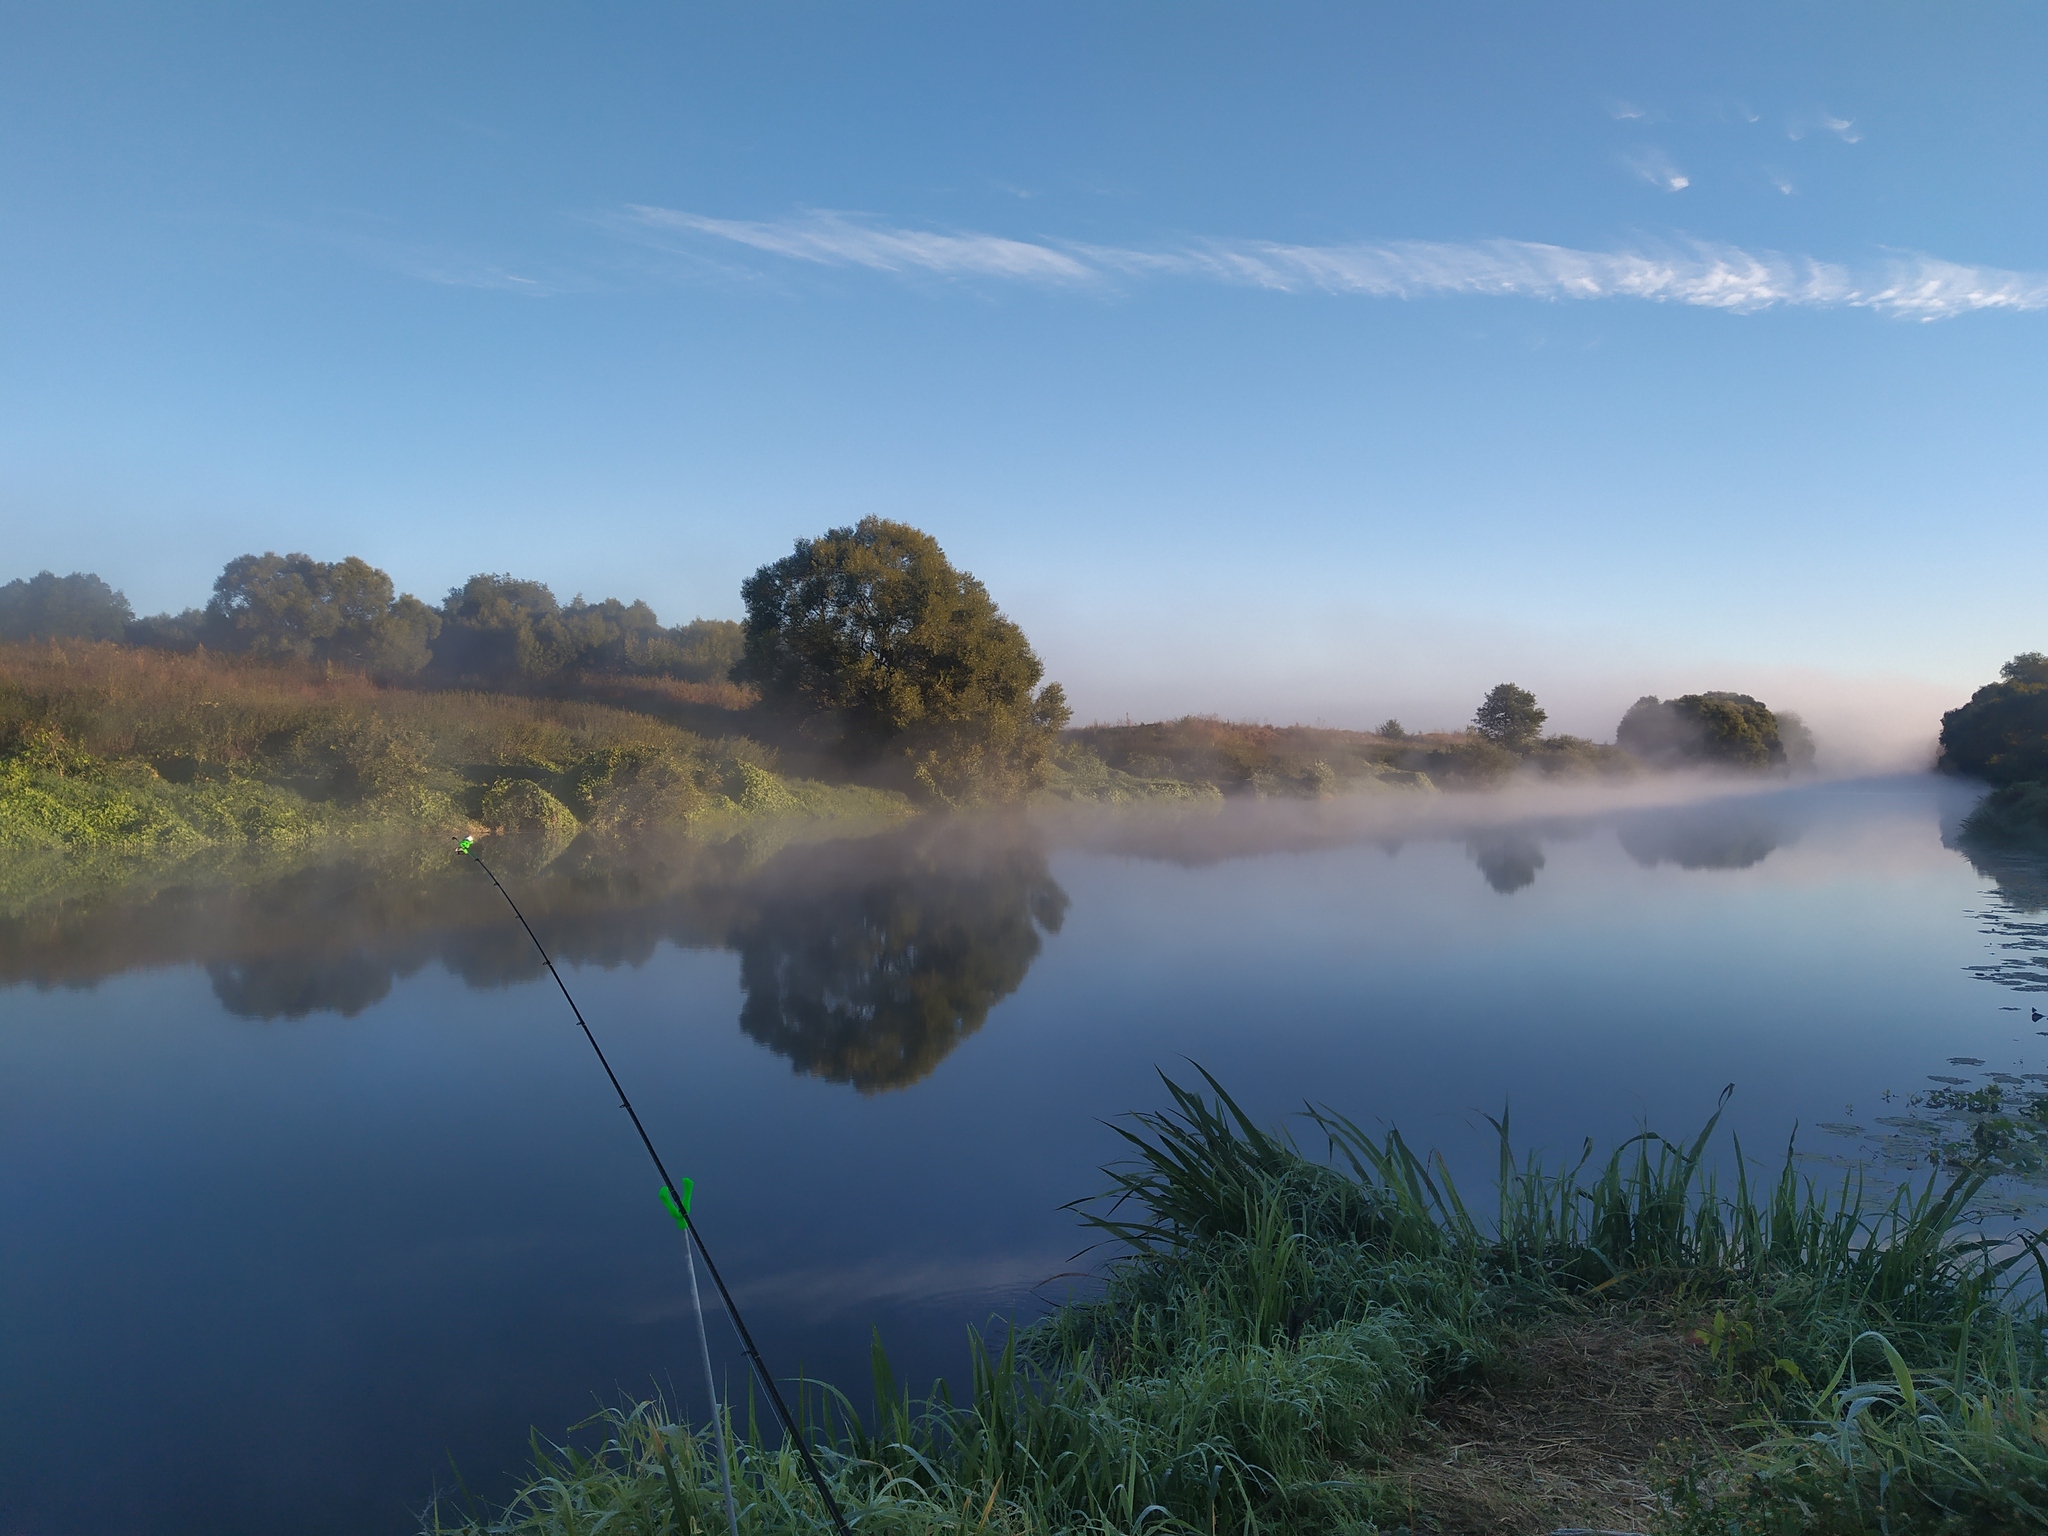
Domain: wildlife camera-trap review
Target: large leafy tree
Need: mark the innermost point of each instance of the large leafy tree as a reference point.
(295, 606)
(1719, 730)
(880, 647)
(51, 607)
(1510, 717)
(2002, 733)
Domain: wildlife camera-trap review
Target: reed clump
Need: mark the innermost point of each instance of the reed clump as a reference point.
(1275, 1327)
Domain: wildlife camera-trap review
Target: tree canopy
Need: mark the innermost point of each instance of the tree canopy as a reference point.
(1510, 717)
(51, 607)
(1725, 730)
(295, 606)
(502, 630)
(2002, 733)
(881, 648)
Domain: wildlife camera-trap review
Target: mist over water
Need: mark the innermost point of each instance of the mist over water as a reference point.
(314, 1164)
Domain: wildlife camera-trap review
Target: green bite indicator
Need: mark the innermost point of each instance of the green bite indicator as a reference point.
(465, 845)
(668, 1198)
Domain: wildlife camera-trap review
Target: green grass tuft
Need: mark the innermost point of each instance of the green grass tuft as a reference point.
(1275, 1324)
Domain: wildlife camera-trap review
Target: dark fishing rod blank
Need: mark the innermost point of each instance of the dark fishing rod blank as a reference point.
(678, 1207)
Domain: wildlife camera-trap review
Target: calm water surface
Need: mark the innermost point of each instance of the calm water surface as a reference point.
(311, 1191)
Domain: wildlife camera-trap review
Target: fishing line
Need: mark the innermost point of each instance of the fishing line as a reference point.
(681, 1211)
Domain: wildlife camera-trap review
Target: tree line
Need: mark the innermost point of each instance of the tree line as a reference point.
(493, 631)
(1695, 730)
(866, 645)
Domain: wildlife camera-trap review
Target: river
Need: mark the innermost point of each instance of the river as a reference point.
(312, 1194)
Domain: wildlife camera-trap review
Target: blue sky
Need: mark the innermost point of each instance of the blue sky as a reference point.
(1309, 362)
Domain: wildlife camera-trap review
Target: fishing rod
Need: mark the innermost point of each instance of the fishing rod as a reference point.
(679, 1208)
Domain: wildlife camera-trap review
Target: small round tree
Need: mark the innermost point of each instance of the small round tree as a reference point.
(1510, 717)
(872, 640)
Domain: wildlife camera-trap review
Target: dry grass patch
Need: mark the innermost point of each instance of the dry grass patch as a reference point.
(1566, 1432)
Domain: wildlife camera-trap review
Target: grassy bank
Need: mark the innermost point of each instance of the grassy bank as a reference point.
(111, 757)
(2013, 814)
(1341, 1343)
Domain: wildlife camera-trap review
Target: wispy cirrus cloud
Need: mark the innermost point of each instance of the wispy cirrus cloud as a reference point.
(833, 239)
(1700, 273)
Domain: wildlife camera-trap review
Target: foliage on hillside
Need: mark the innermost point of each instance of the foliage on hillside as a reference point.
(2002, 733)
(112, 750)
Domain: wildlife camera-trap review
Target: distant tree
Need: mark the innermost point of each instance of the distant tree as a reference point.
(873, 640)
(50, 607)
(1509, 717)
(1392, 729)
(1797, 738)
(497, 629)
(504, 631)
(1724, 730)
(706, 650)
(171, 631)
(2002, 733)
(295, 606)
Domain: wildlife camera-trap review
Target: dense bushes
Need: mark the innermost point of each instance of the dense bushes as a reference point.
(2002, 733)
(112, 748)
(1714, 730)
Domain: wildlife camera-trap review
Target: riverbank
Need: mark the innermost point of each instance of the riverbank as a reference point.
(119, 762)
(116, 762)
(1305, 1345)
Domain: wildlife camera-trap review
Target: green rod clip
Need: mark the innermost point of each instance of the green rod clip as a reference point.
(668, 1199)
(465, 845)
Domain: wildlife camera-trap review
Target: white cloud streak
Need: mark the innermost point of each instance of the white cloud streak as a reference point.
(1700, 273)
(836, 240)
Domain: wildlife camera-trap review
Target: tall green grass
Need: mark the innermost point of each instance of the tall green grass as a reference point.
(1272, 1324)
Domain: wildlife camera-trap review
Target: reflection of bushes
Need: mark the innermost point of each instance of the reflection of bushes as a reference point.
(1726, 836)
(872, 969)
(864, 961)
(1508, 860)
(287, 987)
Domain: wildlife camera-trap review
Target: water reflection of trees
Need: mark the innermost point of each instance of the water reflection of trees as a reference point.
(869, 964)
(1724, 834)
(1508, 858)
(863, 961)
(2018, 871)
